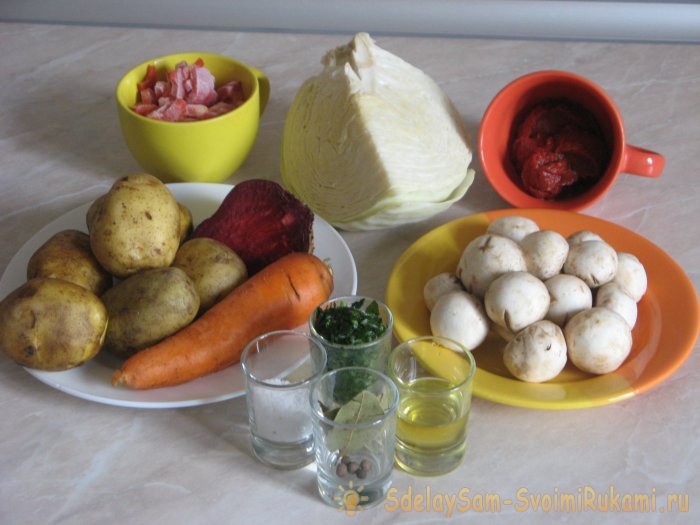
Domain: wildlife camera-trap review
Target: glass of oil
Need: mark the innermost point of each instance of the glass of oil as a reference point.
(434, 378)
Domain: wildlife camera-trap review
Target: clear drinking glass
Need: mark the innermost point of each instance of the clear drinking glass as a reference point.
(279, 369)
(434, 379)
(354, 437)
(372, 354)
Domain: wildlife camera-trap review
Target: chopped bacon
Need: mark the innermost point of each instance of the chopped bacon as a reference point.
(144, 109)
(231, 92)
(148, 96)
(161, 88)
(187, 93)
(196, 111)
(150, 79)
(173, 111)
(220, 108)
(202, 91)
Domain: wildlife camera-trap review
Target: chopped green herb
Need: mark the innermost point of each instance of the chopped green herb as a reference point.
(350, 325)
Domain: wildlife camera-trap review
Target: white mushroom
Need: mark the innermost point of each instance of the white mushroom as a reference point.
(598, 340)
(514, 227)
(460, 316)
(439, 285)
(631, 275)
(537, 353)
(487, 257)
(503, 332)
(583, 235)
(515, 300)
(612, 296)
(545, 252)
(568, 296)
(593, 261)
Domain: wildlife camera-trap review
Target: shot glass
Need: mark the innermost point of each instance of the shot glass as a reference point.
(434, 379)
(279, 369)
(354, 439)
(334, 316)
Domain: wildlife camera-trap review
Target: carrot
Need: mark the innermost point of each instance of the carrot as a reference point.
(281, 296)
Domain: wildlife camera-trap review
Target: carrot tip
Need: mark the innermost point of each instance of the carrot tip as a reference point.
(117, 378)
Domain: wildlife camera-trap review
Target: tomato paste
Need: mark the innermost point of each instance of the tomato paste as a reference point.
(559, 150)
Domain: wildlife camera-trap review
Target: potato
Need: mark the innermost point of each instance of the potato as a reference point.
(92, 211)
(67, 256)
(186, 222)
(214, 268)
(147, 307)
(51, 324)
(135, 226)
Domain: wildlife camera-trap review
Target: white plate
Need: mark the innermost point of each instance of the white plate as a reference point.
(92, 380)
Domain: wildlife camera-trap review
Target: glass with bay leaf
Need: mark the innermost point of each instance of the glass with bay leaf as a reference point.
(354, 438)
(434, 378)
(355, 331)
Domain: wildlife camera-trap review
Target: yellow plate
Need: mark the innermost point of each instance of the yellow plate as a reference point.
(668, 320)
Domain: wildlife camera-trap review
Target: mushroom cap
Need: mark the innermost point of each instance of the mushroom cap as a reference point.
(515, 300)
(568, 296)
(583, 235)
(598, 340)
(612, 296)
(545, 252)
(515, 227)
(460, 316)
(486, 257)
(439, 285)
(631, 275)
(595, 262)
(537, 353)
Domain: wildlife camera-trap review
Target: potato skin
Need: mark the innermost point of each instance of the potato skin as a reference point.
(67, 255)
(147, 307)
(135, 226)
(52, 324)
(214, 268)
(186, 222)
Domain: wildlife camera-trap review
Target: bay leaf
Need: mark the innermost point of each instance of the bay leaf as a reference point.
(363, 408)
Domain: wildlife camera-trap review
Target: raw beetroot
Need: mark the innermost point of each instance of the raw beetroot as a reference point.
(261, 222)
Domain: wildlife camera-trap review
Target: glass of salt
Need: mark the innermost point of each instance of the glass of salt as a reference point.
(279, 368)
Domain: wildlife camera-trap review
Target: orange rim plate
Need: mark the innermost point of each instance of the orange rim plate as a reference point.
(668, 320)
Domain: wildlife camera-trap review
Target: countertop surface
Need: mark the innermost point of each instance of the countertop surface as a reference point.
(65, 460)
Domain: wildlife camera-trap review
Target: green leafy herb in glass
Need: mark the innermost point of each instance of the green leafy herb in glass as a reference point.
(348, 331)
(350, 325)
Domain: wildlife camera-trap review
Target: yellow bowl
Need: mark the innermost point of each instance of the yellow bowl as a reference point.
(200, 151)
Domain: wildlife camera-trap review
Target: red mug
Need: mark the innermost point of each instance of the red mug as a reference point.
(505, 112)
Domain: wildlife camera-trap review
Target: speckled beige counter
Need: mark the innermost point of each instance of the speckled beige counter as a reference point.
(64, 460)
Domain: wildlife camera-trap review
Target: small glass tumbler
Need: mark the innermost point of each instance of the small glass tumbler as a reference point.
(372, 354)
(279, 369)
(434, 378)
(354, 439)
